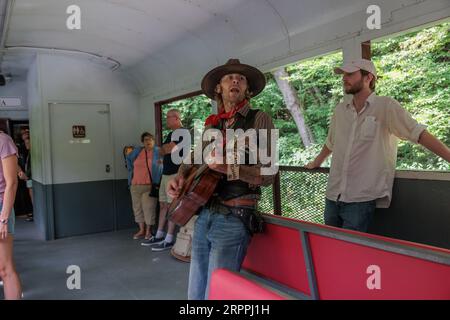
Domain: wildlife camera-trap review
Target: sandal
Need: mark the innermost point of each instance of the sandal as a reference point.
(138, 235)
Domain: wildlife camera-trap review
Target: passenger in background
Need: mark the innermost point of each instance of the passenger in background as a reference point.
(21, 147)
(144, 168)
(363, 138)
(162, 240)
(8, 187)
(24, 134)
(26, 174)
(23, 203)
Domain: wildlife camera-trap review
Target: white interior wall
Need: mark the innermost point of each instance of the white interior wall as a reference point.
(34, 96)
(68, 79)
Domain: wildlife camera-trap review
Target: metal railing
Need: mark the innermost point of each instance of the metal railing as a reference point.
(297, 193)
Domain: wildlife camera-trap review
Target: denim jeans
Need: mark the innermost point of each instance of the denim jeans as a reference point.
(219, 241)
(349, 215)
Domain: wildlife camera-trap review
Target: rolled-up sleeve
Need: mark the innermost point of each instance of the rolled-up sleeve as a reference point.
(402, 124)
(329, 142)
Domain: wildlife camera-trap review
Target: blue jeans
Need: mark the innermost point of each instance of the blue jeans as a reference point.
(11, 220)
(219, 241)
(349, 215)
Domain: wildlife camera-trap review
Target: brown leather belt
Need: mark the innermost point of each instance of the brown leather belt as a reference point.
(239, 202)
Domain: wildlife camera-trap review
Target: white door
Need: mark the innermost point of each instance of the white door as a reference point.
(82, 168)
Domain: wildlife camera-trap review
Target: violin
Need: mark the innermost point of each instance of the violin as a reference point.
(195, 193)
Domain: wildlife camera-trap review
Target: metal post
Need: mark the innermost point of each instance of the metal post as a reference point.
(309, 266)
(276, 191)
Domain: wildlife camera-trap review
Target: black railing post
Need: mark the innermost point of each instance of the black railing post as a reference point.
(276, 191)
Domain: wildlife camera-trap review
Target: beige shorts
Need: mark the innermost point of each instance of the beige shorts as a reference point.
(144, 207)
(163, 196)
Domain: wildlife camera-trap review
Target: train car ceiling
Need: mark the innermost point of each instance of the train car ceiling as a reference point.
(165, 46)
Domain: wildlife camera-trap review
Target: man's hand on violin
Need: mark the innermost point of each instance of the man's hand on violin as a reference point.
(174, 186)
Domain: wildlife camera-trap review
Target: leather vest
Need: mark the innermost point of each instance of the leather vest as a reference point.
(225, 189)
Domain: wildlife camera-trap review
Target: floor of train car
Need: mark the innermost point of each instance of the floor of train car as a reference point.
(113, 266)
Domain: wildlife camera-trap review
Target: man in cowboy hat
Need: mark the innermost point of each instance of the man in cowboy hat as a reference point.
(224, 226)
(363, 138)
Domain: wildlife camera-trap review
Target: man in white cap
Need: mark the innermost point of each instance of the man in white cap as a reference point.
(363, 137)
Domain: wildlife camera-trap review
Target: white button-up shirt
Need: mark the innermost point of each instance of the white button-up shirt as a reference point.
(364, 147)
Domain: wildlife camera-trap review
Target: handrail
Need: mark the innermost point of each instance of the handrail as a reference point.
(399, 173)
(303, 169)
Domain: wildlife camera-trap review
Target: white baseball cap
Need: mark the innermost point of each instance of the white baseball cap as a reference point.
(355, 65)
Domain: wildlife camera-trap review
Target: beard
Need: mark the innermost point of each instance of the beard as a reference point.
(355, 88)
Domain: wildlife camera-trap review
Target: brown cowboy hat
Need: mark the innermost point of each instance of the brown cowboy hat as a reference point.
(255, 78)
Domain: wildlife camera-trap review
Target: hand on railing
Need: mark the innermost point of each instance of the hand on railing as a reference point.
(316, 163)
(311, 165)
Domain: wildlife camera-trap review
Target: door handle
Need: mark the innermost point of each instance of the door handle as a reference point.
(108, 168)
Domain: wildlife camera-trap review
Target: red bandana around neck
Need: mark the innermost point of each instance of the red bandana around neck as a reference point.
(214, 119)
